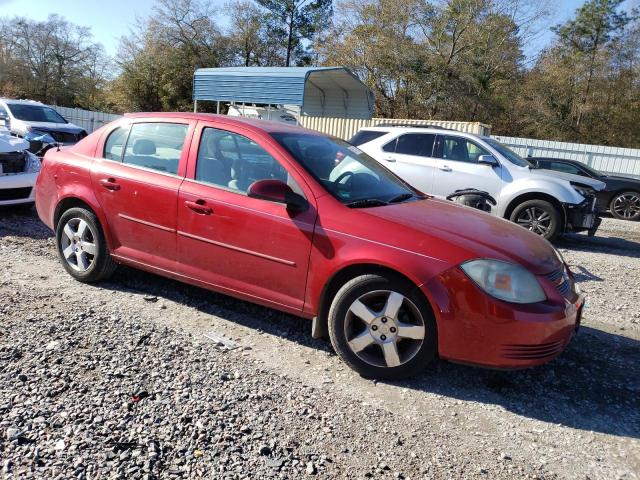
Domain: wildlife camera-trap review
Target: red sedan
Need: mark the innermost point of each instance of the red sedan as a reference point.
(310, 225)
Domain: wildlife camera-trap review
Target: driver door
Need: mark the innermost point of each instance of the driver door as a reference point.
(457, 168)
(249, 247)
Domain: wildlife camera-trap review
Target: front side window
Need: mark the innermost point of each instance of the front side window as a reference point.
(114, 146)
(157, 146)
(35, 113)
(3, 113)
(349, 174)
(417, 144)
(507, 153)
(461, 150)
(234, 162)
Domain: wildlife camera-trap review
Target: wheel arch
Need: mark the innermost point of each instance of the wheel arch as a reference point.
(525, 197)
(342, 276)
(68, 202)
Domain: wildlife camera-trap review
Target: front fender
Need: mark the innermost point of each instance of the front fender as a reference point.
(560, 190)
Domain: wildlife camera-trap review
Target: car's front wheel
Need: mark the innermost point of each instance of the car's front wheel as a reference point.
(82, 247)
(538, 216)
(382, 327)
(626, 206)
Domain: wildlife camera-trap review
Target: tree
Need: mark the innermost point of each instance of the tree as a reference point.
(298, 19)
(597, 23)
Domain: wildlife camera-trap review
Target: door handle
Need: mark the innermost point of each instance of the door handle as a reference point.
(199, 206)
(109, 184)
(445, 168)
(389, 159)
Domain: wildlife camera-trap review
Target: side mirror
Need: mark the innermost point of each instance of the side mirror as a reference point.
(488, 160)
(279, 192)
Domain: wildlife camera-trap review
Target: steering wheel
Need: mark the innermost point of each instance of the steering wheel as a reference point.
(343, 175)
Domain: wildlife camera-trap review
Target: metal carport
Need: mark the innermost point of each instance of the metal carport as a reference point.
(316, 91)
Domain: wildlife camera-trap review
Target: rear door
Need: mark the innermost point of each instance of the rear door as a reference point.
(250, 247)
(410, 156)
(457, 167)
(136, 176)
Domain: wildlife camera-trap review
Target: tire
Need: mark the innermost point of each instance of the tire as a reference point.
(367, 342)
(626, 205)
(538, 216)
(82, 247)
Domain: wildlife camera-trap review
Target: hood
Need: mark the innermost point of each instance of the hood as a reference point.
(435, 225)
(570, 177)
(11, 144)
(628, 179)
(55, 127)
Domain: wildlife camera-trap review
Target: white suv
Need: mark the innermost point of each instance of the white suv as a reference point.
(439, 161)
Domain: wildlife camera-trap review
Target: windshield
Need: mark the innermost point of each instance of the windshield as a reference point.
(349, 174)
(509, 154)
(35, 113)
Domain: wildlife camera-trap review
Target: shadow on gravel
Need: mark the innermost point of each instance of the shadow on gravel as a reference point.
(594, 385)
(614, 245)
(18, 221)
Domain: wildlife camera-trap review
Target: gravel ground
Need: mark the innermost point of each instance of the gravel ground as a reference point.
(119, 381)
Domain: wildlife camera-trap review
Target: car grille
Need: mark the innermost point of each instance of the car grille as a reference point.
(561, 281)
(533, 352)
(12, 162)
(14, 193)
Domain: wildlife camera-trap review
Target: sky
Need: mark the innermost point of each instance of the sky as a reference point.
(111, 19)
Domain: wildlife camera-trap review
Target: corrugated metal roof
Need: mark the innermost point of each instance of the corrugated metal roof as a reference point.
(319, 91)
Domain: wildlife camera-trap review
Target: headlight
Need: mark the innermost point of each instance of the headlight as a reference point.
(33, 163)
(582, 190)
(505, 281)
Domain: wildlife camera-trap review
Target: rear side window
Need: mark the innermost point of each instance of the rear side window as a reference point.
(114, 146)
(567, 168)
(365, 136)
(157, 146)
(418, 144)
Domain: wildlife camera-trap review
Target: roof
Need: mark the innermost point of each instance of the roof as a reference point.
(26, 102)
(251, 123)
(329, 90)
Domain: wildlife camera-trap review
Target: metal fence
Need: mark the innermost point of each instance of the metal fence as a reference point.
(607, 159)
(86, 119)
(345, 128)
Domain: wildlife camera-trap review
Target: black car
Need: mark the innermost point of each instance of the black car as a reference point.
(621, 196)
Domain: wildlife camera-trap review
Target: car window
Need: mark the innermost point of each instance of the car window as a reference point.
(234, 162)
(567, 168)
(418, 144)
(114, 146)
(349, 174)
(157, 146)
(35, 113)
(365, 136)
(3, 112)
(461, 150)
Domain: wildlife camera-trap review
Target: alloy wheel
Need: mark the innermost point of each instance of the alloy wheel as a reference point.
(78, 244)
(384, 328)
(535, 219)
(627, 205)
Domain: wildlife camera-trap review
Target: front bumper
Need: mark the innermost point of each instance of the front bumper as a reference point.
(17, 189)
(582, 217)
(477, 329)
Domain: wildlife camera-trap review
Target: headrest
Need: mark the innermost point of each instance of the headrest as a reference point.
(142, 146)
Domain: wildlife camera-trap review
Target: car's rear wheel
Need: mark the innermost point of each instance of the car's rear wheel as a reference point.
(382, 327)
(626, 206)
(538, 216)
(81, 246)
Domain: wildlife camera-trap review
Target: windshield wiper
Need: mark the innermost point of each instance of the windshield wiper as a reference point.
(401, 198)
(366, 202)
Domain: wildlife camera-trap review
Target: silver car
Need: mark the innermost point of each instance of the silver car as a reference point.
(439, 161)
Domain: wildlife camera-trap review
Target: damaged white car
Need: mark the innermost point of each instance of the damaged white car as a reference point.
(19, 169)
